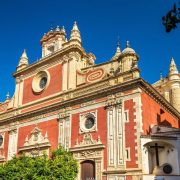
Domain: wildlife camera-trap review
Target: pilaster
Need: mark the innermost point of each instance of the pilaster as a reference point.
(115, 135)
(65, 129)
(12, 147)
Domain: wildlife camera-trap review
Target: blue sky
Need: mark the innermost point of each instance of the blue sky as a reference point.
(23, 23)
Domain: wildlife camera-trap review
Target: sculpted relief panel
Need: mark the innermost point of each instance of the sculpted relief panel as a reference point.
(37, 144)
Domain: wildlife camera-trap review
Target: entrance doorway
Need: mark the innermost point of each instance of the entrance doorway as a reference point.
(88, 170)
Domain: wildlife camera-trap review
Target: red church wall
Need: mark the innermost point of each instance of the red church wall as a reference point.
(54, 86)
(51, 127)
(129, 178)
(102, 129)
(130, 136)
(4, 149)
(154, 114)
(45, 104)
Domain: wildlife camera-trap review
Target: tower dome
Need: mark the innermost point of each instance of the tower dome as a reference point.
(128, 50)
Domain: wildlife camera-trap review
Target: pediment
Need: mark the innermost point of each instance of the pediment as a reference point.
(36, 141)
(88, 140)
(88, 143)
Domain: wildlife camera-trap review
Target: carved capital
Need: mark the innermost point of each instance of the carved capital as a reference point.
(74, 55)
(112, 102)
(64, 113)
(65, 59)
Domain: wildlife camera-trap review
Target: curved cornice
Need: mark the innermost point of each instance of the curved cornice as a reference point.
(46, 59)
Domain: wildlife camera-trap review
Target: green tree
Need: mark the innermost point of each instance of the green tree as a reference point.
(61, 166)
(171, 19)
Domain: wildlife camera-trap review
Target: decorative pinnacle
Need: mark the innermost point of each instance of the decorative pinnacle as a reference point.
(173, 62)
(63, 29)
(75, 27)
(51, 26)
(51, 29)
(118, 42)
(161, 77)
(23, 59)
(7, 96)
(57, 28)
(173, 68)
(75, 33)
(118, 51)
(46, 135)
(26, 140)
(127, 44)
(24, 55)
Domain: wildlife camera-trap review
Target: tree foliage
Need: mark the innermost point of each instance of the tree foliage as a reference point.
(61, 166)
(172, 18)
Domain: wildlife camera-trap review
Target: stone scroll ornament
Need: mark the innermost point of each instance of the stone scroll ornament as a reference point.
(95, 75)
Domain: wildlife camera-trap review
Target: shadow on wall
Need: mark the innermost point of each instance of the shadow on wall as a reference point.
(162, 122)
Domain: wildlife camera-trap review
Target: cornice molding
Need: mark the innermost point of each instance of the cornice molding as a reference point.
(96, 90)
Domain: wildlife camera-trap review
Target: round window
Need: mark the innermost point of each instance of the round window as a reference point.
(1, 140)
(43, 82)
(89, 122)
(40, 81)
(167, 169)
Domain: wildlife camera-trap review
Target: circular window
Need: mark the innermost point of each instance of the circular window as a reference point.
(40, 81)
(167, 169)
(43, 82)
(1, 140)
(89, 122)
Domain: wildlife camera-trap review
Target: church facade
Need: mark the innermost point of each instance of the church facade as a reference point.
(118, 126)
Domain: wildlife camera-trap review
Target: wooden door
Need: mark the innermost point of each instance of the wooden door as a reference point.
(88, 170)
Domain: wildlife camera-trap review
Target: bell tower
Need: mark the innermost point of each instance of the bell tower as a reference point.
(53, 41)
(169, 86)
(174, 81)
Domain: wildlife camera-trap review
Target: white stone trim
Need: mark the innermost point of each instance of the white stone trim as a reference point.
(115, 137)
(3, 136)
(12, 146)
(87, 108)
(89, 149)
(110, 129)
(82, 119)
(56, 116)
(46, 66)
(72, 74)
(40, 120)
(138, 128)
(120, 135)
(18, 95)
(65, 132)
